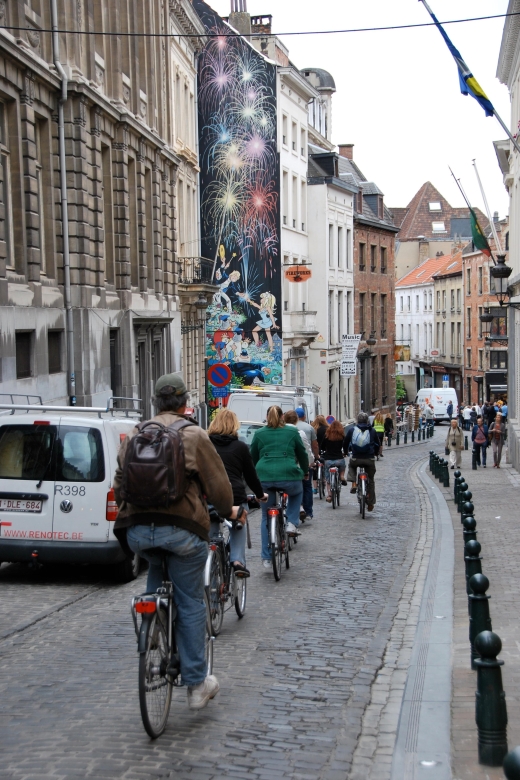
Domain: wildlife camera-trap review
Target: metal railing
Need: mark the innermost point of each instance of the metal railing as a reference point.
(195, 270)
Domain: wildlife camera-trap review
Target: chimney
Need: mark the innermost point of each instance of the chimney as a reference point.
(239, 17)
(346, 150)
(495, 216)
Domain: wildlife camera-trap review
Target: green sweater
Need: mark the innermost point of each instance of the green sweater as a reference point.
(276, 453)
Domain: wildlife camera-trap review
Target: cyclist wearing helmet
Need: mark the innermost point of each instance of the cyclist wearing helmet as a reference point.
(364, 443)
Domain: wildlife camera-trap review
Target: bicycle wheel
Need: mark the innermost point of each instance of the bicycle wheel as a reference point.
(333, 490)
(214, 589)
(155, 691)
(286, 548)
(338, 491)
(238, 586)
(249, 545)
(321, 485)
(209, 639)
(276, 546)
(362, 503)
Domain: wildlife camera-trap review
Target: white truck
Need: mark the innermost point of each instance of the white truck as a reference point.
(57, 503)
(251, 404)
(439, 398)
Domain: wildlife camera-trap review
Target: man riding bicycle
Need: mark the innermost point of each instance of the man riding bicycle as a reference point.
(182, 530)
(363, 441)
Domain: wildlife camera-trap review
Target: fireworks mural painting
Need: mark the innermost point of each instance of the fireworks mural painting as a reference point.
(240, 219)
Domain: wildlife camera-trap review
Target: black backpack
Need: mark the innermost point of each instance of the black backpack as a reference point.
(154, 472)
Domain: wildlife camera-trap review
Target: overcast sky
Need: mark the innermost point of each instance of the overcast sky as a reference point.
(398, 98)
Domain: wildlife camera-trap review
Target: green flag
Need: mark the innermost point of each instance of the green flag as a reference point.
(479, 239)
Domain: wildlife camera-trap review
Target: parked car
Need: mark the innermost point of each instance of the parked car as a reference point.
(57, 504)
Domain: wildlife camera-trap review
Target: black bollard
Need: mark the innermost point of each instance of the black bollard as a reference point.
(456, 482)
(468, 510)
(397, 437)
(462, 488)
(511, 765)
(491, 710)
(431, 461)
(465, 442)
(389, 439)
(469, 533)
(405, 437)
(445, 476)
(473, 459)
(479, 619)
(472, 560)
(413, 436)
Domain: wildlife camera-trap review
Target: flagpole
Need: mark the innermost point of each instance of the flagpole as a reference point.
(513, 140)
(459, 185)
(488, 212)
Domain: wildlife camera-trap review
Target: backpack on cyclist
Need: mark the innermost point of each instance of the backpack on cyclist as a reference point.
(154, 474)
(361, 442)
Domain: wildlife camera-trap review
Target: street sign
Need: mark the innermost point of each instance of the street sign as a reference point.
(220, 392)
(445, 377)
(297, 273)
(435, 352)
(219, 375)
(350, 345)
(445, 383)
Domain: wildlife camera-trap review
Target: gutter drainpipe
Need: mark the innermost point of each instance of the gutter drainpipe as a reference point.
(71, 377)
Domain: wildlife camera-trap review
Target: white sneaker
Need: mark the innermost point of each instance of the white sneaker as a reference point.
(303, 513)
(292, 530)
(199, 695)
(267, 564)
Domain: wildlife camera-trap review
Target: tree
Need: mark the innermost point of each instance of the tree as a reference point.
(400, 392)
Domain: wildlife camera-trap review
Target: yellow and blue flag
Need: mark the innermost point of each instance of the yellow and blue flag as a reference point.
(468, 83)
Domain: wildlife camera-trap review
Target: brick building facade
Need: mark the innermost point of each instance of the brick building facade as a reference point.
(374, 290)
(124, 226)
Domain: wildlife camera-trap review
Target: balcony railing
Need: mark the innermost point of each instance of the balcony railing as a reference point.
(195, 270)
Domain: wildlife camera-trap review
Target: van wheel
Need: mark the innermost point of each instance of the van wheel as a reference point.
(128, 570)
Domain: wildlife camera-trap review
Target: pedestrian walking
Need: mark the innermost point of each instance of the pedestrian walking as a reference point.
(491, 414)
(379, 427)
(497, 432)
(449, 410)
(281, 462)
(179, 527)
(307, 429)
(455, 443)
(480, 439)
(467, 417)
(389, 427)
(503, 412)
(473, 416)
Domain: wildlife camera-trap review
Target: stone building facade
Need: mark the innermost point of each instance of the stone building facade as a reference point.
(120, 113)
(449, 324)
(374, 289)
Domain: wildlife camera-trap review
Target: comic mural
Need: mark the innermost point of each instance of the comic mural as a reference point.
(240, 219)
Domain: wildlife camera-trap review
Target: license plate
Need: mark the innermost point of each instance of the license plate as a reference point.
(20, 505)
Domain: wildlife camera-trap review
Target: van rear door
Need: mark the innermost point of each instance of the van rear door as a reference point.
(27, 460)
(82, 483)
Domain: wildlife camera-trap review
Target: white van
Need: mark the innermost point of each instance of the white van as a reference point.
(56, 498)
(439, 398)
(252, 405)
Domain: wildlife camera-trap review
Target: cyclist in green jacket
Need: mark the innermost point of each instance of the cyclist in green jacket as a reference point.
(281, 463)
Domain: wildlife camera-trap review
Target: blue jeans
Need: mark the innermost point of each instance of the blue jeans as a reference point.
(186, 569)
(237, 542)
(294, 489)
(481, 458)
(308, 496)
(339, 464)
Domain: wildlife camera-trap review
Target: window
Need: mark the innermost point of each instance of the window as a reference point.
(362, 257)
(459, 339)
(6, 212)
(303, 203)
(383, 316)
(26, 451)
(331, 317)
(480, 280)
(373, 381)
(80, 457)
(416, 303)
(108, 213)
(438, 301)
(425, 339)
(468, 281)
(373, 264)
(425, 297)
(453, 300)
(468, 358)
(382, 251)
(286, 305)
(468, 322)
(402, 334)
(284, 129)
(303, 142)
(24, 354)
(408, 303)
(416, 345)
(331, 245)
(362, 312)
(438, 336)
(348, 251)
(340, 317)
(341, 248)
(349, 309)
(384, 379)
(498, 359)
(294, 138)
(430, 301)
(480, 359)
(458, 299)
(443, 347)
(401, 303)
(54, 351)
(453, 339)
(499, 324)
(373, 312)
(149, 232)
(479, 322)
(285, 197)
(438, 227)
(133, 222)
(434, 205)
(444, 300)
(294, 201)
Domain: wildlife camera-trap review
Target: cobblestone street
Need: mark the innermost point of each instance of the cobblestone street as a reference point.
(295, 673)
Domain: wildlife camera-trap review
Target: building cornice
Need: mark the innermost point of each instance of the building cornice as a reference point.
(293, 78)
(183, 16)
(509, 55)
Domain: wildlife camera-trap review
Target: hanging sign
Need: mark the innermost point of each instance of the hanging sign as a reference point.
(298, 273)
(350, 345)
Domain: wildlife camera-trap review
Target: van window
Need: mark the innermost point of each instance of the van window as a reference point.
(80, 455)
(26, 451)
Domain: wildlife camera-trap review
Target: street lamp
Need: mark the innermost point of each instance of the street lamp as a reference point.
(486, 319)
(501, 273)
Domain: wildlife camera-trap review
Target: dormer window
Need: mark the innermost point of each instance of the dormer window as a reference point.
(380, 207)
(434, 205)
(438, 227)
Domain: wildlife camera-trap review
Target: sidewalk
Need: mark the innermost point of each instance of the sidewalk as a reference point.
(496, 496)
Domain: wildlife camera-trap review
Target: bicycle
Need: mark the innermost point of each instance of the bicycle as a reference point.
(223, 588)
(362, 485)
(279, 539)
(159, 662)
(320, 479)
(335, 485)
